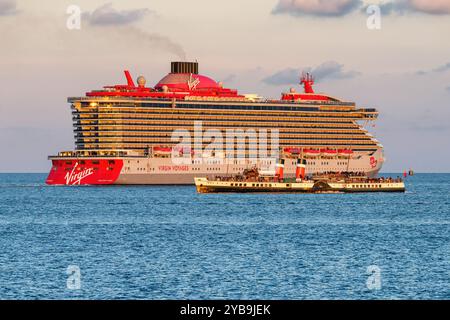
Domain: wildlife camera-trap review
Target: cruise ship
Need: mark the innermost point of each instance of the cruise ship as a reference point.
(136, 134)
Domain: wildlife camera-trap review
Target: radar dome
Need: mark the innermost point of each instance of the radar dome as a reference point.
(141, 81)
(292, 90)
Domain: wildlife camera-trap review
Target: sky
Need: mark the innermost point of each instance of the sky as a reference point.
(401, 68)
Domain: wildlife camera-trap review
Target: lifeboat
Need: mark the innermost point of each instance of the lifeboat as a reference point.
(292, 150)
(345, 152)
(311, 152)
(183, 150)
(329, 152)
(162, 150)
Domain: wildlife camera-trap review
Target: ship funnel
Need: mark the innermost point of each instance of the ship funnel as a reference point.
(184, 67)
(300, 170)
(279, 169)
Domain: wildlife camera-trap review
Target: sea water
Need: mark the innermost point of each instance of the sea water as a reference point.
(168, 242)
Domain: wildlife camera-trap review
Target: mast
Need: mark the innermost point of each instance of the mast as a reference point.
(307, 80)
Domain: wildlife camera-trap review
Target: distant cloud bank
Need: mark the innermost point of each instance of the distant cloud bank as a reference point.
(439, 69)
(435, 7)
(327, 70)
(331, 8)
(107, 15)
(339, 8)
(8, 7)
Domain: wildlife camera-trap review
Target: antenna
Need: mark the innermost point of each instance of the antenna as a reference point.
(307, 80)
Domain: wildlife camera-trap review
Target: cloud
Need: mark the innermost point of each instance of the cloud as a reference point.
(338, 8)
(286, 76)
(327, 70)
(448, 89)
(230, 78)
(440, 69)
(332, 70)
(107, 15)
(321, 8)
(435, 7)
(421, 73)
(8, 7)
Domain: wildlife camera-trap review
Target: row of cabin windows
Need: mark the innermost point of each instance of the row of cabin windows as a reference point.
(225, 120)
(366, 186)
(304, 117)
(102, 117)
(253, 185)
(140, 146)
(169, 139)
(217, 118)
(114, 112)
(156, 133)
(222, 107)
(265, 185)
(222, 121)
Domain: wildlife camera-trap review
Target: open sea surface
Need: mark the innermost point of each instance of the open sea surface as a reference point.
(168, 242)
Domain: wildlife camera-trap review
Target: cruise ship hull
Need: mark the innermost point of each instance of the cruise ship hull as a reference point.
(159, 171)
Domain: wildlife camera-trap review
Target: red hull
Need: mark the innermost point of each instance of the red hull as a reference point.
(84, 172)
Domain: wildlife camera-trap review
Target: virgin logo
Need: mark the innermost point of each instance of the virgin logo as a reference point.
(193, 82)
(75, 178)
(373, 162)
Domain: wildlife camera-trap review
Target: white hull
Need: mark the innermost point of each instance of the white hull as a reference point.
(148, 171)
